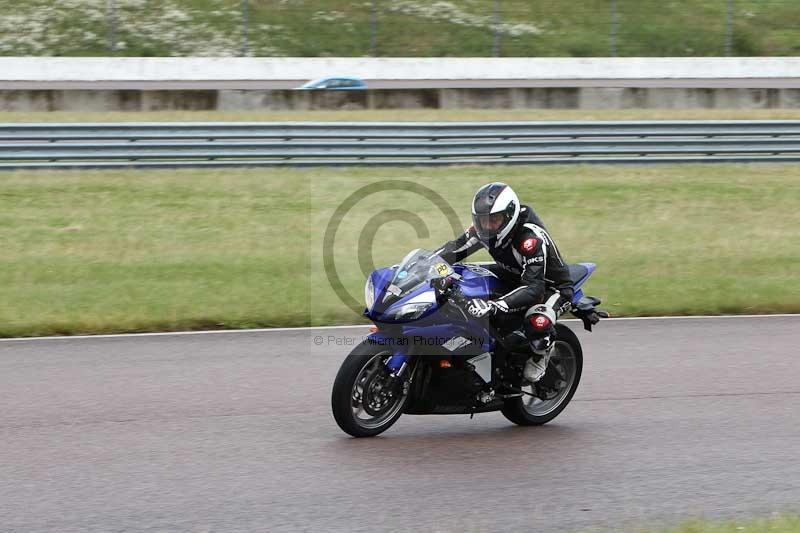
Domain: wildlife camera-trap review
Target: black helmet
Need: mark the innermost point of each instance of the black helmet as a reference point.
(495, 210)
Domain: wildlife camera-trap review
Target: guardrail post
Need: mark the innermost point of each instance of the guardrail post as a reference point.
(614, 23)
(729, 29)
(373, 27)
(496, 29)
(245, 28)
(111, 15)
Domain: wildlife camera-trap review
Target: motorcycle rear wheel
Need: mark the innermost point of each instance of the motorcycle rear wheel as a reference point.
(566, 364)
(366, 400)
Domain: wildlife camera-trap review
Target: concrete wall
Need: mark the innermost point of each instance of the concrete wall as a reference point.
(148, 84)
(70, 69)
(511, 98)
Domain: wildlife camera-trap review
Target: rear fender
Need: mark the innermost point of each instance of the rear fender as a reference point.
(585, 308)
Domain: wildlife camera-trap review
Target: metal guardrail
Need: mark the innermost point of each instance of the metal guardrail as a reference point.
(398, 143)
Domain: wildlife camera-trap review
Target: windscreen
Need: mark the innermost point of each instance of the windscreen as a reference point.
(419, 266)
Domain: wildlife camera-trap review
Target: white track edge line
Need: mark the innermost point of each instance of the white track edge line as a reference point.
(353, 326)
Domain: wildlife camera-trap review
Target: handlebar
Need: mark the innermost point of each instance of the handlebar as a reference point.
(446, 290)
(457, 297)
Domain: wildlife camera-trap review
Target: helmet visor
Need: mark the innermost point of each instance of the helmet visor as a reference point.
(489, 225)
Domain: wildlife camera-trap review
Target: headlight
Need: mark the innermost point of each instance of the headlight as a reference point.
(369, 293)
(411, 311)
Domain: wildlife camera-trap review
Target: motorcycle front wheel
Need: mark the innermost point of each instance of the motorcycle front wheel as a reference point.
(366, 399)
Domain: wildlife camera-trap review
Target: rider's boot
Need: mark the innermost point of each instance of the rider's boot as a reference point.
(536, 365)
(540, 330)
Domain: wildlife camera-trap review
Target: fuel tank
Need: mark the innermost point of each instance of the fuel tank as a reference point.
(478, 282)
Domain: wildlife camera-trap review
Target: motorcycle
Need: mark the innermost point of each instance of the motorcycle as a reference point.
(427, 355)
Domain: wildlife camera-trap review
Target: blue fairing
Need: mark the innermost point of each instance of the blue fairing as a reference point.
(380, 278)
(477, 282)
(432, 331)
(383, 313)
(473, 281)
(578, 292)
(590, 267)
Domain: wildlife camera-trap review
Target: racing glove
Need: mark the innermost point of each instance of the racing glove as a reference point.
(479, 307)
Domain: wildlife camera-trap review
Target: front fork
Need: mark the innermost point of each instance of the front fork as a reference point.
(398, 364)
(399, 360)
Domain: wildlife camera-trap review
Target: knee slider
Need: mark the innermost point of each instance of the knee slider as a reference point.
(539, 321)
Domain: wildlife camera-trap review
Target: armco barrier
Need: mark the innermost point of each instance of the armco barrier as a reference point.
(397, 143)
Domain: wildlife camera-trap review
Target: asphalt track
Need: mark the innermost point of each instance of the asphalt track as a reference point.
(232, 432)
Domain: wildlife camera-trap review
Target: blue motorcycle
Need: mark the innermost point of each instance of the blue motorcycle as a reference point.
(429, 356)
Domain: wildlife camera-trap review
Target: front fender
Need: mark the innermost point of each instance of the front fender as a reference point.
(396, 344)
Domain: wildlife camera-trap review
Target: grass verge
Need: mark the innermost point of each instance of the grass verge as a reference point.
(117, 251)
(777, 524)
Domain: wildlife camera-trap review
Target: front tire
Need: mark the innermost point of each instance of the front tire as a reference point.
(566, 365)
(366, 400)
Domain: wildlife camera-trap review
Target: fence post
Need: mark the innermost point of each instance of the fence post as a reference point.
(614, 29)
(245, 28)
(729, 29)
(373, 28)
(111, 15)
(496, 27)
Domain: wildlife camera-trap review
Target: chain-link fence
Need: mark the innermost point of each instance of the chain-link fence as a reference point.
(400, 28)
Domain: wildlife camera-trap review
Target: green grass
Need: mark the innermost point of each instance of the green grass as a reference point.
(112, 251)
(778, 524)
(401, 28)
(433, 115)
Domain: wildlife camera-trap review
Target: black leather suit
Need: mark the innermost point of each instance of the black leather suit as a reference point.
(529, 263)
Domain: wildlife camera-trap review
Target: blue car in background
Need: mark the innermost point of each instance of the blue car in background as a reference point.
(334, 84)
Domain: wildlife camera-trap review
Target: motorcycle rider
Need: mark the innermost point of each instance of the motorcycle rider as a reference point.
(527, 260)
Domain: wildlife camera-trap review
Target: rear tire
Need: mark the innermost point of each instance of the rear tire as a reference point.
(528, 411)
(362, 376)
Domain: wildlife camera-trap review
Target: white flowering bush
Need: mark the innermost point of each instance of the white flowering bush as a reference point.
(450, 12)
(395, 27)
